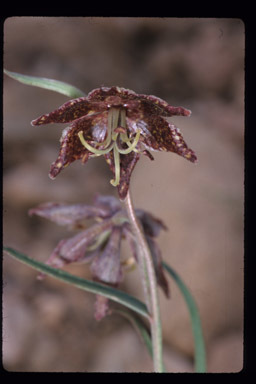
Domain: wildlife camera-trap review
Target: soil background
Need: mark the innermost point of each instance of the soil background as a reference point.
(194, 62)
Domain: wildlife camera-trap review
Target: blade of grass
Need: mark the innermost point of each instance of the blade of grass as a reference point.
(50, 84)
(200, 357)
(128, 301)
(87, 285)
(139, 327)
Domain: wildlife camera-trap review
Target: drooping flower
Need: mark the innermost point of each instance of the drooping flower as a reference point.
(100, 243)
(120, 125)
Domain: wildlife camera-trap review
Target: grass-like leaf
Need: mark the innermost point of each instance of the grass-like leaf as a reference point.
(87, 285)
(50, 84)
(200, 357)
(139, 326)
(128, 301)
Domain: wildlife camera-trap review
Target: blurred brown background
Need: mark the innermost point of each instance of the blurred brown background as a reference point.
(197, 63)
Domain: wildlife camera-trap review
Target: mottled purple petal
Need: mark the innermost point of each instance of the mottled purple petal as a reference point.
(152, 105)
(73, 249)
(106, 267)
(105, 94)
(157, 260)
(133, 102)
(148, 154)
(151, 225)
(127, 164)
(108, 203)
(70, 111)
(70, 215)
(71, 147)
(160, 135)
(94, 126)
(55, 260)
(156, 256)
(101, 307)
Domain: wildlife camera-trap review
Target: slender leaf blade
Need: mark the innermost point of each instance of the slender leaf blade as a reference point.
(50, 84)
(84, 284)
(200, 357)
(139, 327)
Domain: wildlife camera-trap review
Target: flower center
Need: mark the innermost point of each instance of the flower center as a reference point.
(116, 135)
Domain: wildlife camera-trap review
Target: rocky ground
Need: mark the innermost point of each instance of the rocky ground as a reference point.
(197, 63)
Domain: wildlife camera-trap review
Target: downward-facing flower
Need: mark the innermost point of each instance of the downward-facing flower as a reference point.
(100, 243)
(120, 125)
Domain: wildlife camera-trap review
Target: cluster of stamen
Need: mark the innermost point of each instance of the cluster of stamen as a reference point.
(116, 135)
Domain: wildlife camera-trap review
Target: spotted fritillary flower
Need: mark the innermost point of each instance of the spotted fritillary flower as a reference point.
(99, 244)
(120, 125)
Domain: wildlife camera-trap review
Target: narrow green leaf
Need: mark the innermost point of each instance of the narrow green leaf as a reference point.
(87, 285)
(52, 85)
(200, 357)
(139, 326)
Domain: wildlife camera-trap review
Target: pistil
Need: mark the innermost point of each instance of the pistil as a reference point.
(117, 167)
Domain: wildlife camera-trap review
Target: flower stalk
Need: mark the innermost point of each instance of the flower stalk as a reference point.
(116, 132)
(154, 310)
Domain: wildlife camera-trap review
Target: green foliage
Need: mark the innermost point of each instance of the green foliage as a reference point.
(87, 285)
(200, 361)
(128, 301)
(50, 84)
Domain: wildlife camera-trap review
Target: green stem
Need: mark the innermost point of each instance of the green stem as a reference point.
(154, 310)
